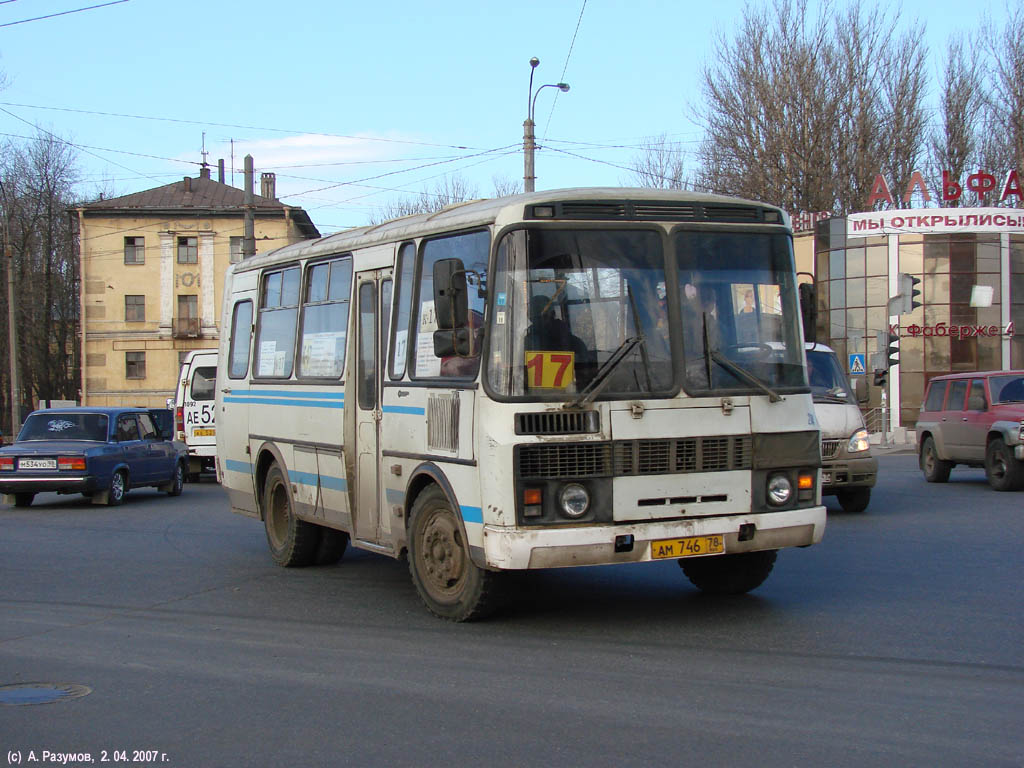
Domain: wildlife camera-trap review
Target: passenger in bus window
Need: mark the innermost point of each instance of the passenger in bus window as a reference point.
(548, 332)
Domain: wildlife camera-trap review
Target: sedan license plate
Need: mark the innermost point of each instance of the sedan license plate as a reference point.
(203, 432)
(691, 546)
(37, 463)
(826, 478)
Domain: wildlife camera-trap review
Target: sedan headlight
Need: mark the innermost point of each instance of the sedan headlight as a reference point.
(575, 500)
(780, 490)
(859, 442)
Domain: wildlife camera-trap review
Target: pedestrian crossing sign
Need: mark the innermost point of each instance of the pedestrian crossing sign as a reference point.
(857, 364)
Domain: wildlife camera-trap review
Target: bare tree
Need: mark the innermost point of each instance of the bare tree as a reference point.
(804, 111)
(38, 180)
(660, 164)
(955, 144)
(445, 192)
(504, 186)
(1003, 130)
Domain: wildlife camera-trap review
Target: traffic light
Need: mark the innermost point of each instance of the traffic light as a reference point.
(909, 293)
(893, 350)
(880, 378)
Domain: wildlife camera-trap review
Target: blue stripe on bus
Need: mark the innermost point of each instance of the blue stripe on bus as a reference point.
(238, 466)
(393, 496)
(280, 401)
(326, 481)
(332, 395)
(408, 409)
(472, 514)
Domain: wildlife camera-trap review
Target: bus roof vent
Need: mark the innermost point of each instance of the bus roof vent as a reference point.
(592, 210)
(558, 423)
(739, 213)
(665, 211)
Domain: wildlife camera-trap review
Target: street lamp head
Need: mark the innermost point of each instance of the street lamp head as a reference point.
(534, 62)
(563, 87)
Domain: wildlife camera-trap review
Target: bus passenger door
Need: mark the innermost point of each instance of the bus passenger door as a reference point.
(373, 292)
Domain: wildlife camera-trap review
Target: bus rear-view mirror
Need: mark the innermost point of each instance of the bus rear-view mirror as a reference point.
(451, 299)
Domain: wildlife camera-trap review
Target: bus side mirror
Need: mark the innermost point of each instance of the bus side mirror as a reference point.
(809, 311)
(458, 342)
(860, 389)
(451, 299)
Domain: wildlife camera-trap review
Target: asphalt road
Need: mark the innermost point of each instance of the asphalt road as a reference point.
(896, 641)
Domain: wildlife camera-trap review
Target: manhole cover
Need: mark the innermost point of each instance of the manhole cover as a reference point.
(41, 693)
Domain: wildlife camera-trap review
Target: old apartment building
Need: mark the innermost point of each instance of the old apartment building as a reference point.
(152, 274)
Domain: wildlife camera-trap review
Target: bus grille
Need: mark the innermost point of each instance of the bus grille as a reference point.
(558, 423)
(443, 422)
(636, 457)
(830, 448)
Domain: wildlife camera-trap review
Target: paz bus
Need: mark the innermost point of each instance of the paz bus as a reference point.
(561, 378)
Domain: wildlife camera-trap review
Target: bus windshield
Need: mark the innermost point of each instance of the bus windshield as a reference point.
(577, 308)
(740, 312)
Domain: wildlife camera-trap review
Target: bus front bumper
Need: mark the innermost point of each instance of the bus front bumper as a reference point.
(508, 548)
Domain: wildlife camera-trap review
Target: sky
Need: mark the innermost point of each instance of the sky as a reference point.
(356, 105)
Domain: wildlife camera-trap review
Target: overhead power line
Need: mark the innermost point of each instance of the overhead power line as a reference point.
(62, 13)
(565, 67)
(234, 125)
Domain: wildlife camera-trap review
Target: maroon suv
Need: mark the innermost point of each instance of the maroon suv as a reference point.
(975, 419)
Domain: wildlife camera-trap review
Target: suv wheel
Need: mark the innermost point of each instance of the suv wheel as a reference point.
(1003, 471)
(935, 470)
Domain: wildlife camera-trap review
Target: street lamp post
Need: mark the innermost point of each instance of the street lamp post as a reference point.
(12, 328)
(529, 142)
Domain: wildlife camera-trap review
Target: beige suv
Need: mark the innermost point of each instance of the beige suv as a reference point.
(975, 419)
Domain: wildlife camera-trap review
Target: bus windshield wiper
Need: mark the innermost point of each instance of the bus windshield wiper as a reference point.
(744, 374)
(600, 380)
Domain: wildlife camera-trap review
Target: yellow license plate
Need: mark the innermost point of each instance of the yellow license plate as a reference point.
(204, 432)
(691, 546)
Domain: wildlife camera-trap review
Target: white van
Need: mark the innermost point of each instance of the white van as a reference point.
(848, 470)
(194, 410)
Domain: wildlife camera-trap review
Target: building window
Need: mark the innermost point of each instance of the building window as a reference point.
(188, 250)
(135, 250)
(187, 322)
(135, 309)
(236, 249)
(135, 365)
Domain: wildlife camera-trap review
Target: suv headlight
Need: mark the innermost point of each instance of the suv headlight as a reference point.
(859, 442)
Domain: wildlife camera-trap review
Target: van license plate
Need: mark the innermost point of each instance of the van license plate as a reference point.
(691, 546)
(203, 432)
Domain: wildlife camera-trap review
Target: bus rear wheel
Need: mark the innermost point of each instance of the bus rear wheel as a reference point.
(729, 574)
(293, 542)
(447, 580)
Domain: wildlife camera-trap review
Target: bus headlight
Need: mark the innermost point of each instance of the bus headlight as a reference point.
(859, 442)
(575, 500)
(780, 490)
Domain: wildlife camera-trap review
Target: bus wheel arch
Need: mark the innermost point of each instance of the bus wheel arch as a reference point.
(266, 457)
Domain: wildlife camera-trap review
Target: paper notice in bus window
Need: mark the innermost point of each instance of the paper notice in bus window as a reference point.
(280, 362)
(401, 340)
(322, 353)
(267, 355)
(426, 363)
(550, 370)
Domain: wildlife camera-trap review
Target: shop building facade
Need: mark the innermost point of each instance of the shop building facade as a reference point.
(970, 263)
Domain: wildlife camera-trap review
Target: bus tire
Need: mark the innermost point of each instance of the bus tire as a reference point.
(331, 547)
(729, 574)
(292, 542)
(447, 580)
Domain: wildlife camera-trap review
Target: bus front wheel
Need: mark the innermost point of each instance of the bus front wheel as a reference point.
(292, 542)
(448, 582)
(729, 574)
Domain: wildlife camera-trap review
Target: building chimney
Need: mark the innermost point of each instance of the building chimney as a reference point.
(204, 172)
(188, 183)
(268, 182)
(220, 170)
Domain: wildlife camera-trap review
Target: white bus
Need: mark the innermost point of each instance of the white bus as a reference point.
(574, 377)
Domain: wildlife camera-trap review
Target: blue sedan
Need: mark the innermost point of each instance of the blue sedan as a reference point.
(98, 452)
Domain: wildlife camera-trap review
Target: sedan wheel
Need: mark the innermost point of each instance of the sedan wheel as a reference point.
(118, 488)
(178, 482)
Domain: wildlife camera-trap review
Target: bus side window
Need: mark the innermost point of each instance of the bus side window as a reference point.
(275, 337)
(241, 338)
(403, 307)
(325, 319)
